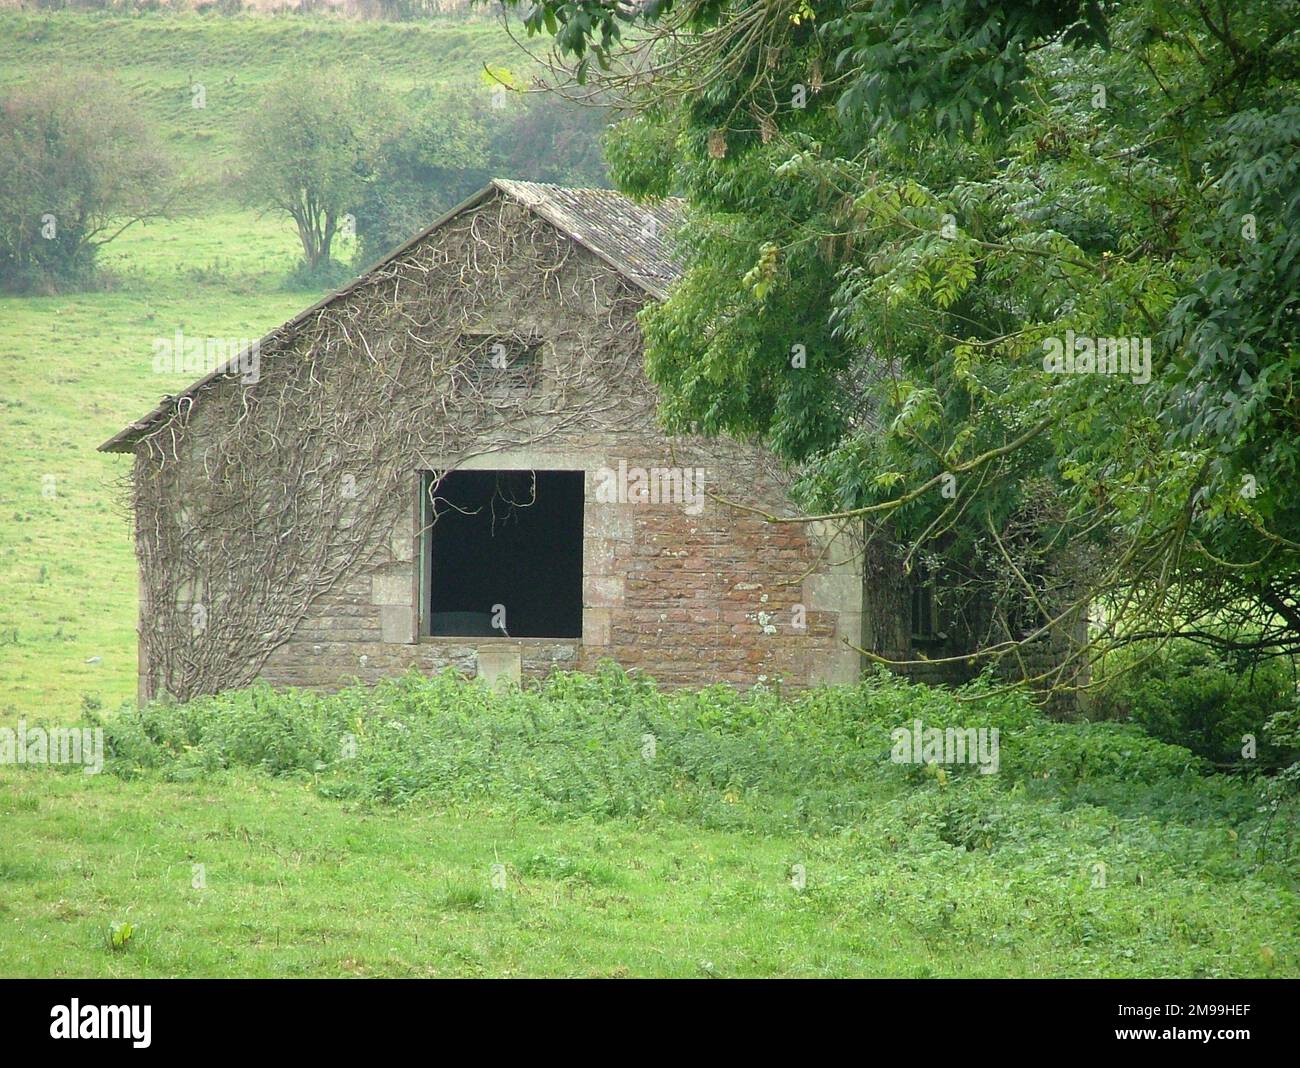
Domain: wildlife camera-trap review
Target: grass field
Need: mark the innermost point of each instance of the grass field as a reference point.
(470, 834)
(469, 848)
(298, 886)
(160, 57)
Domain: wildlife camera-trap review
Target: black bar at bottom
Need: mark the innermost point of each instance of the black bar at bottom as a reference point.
(335, 1017)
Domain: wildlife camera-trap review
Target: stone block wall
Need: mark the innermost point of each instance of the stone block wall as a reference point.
(720, 596)
(691, 597)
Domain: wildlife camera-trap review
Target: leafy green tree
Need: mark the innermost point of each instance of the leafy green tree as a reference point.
(446, 143)
(543, 137)
(1214, 702)
(903, 212)
(309, 149)
(433, 156)
(77, 167)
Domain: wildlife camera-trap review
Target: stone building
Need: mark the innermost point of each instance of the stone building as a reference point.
(454, 461)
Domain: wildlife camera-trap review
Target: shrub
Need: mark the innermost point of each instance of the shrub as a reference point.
(609, 744)
(329, 275)
(77, 167)
(1194, 696)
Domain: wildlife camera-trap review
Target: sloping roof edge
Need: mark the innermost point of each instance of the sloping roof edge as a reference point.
(126, 438)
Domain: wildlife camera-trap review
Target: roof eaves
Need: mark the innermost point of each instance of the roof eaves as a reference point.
(125, 439)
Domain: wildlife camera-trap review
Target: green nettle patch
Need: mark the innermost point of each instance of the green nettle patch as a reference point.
(611, 745)
(689, 821)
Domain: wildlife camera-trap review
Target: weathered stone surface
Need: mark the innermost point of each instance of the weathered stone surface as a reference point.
(391, 589)
(500, 665)
(602, 591)
(397, 624)
(402, 542)
(838, 592)
(595, 626)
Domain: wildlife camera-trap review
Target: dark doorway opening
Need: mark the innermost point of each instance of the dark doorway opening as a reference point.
(504, 554)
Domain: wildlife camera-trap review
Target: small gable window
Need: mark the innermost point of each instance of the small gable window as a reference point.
(500, 362)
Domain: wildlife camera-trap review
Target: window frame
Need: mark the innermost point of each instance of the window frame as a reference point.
(922, 587)
(427, 478)
(512, 380)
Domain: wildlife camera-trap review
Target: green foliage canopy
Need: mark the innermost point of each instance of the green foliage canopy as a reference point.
(309, 150)
(445, 144)
(901, 213)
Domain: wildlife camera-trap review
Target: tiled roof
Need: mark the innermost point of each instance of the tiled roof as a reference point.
(632, 238)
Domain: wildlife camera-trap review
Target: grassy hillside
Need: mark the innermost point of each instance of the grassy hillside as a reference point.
(76, 368)
(160, 56)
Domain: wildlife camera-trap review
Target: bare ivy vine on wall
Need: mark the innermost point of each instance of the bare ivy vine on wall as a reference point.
(252, 500)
